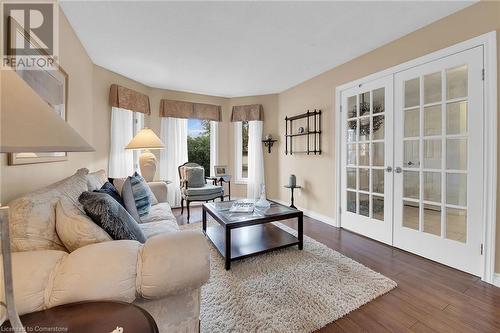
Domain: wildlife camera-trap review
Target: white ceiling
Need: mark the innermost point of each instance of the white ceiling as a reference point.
(239, 48)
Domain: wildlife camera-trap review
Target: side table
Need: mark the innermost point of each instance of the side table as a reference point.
(88, 317)
(292, 188)
(220, 180)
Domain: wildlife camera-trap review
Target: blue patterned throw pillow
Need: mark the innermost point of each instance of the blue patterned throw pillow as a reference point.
(137, 196)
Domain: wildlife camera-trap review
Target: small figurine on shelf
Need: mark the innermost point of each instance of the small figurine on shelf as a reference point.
(262, 202)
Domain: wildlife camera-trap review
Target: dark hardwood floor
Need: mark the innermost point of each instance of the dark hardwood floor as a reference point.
(430, 297)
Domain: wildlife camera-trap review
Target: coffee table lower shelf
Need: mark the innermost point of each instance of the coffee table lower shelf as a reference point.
(250, 240)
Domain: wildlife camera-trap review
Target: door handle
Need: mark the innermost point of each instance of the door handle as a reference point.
(388, 169)
(398, 170)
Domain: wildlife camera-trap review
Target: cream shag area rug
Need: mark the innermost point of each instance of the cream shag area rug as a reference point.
(286, 290)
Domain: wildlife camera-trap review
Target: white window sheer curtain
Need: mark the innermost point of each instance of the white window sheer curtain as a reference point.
(255, 159)
(214, 147)
(121, 161)
(174, 136)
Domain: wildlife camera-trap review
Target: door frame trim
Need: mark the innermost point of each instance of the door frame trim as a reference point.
(489, 43)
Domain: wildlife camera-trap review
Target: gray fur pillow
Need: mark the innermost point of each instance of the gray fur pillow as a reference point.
(107, 213)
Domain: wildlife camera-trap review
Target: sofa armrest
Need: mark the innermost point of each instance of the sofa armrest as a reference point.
(173, 263)
(159, 189)
(166, 264)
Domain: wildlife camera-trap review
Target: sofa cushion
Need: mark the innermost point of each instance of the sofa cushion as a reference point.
(108, 188)
(75, 229)
(96, 180)
(208, 189)
(195, 176)
(111, 216)
(159, 227)
(160, 212)
(33, 216)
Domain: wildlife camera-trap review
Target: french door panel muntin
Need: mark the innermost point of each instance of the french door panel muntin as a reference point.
(377, 229)
(466, 255)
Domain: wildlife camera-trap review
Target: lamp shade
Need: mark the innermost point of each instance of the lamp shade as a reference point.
(28, 124)
(145, 139)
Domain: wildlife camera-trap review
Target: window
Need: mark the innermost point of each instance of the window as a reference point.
(198, 143)
(241, 151)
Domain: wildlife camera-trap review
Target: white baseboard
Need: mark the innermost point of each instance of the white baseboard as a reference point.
(496, 279)
(311, 214)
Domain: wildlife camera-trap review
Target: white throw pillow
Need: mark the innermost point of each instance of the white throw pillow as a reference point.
(75, 229)
(95, 180)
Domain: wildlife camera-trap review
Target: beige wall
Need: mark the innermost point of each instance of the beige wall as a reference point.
(16, 180)
(318, 173)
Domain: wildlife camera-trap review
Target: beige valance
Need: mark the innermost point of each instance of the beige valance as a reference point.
(186, 110)
(121, 97)
(247, 112)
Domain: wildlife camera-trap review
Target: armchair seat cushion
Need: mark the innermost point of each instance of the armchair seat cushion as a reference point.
(206, 190)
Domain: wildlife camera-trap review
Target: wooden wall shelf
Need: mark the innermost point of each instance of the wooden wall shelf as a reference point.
(312, 133)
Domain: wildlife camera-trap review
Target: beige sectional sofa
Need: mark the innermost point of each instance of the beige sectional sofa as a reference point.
(164, 275)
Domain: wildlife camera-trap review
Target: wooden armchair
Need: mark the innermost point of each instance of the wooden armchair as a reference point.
(194, 186)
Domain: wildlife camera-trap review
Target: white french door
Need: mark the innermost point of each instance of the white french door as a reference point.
(412, 152)
(438, 184)
(367, 151)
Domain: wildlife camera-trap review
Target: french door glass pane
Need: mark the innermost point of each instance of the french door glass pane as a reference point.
(456, 224)
(378, 181)
(432, 154)
(432, 186)
(378, 100)
(364, 154)
(432, 219)
(352, 107)
(351, 154)
(456, 82)
(411, 184)
(412, 92)
(456, 154)
(378, 127)
(351, 178)
(364, 129)
(456, 189)
(378, 154)
(364, 104)
(364, 204)
(411, 154)
(456, 118)
(378, 207)
(432, 120)
(432, 88)
(412, 122)
(411, 213)
(351, 201)
(352, 130)
(364, 179)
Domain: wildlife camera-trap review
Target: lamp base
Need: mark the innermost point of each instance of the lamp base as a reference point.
(147, 163)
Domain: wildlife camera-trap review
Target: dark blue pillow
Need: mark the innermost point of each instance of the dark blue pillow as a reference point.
(107, 213)
(110, 189)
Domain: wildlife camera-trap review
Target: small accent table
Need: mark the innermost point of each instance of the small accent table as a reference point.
(292, 188)
(88, 317)
(223, 179)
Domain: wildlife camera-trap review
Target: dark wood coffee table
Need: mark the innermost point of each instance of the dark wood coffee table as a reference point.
(240, 235)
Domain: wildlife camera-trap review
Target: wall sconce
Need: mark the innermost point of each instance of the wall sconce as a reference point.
(269, 142)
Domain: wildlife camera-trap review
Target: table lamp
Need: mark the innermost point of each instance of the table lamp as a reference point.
(27, 124)
(146, 139)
